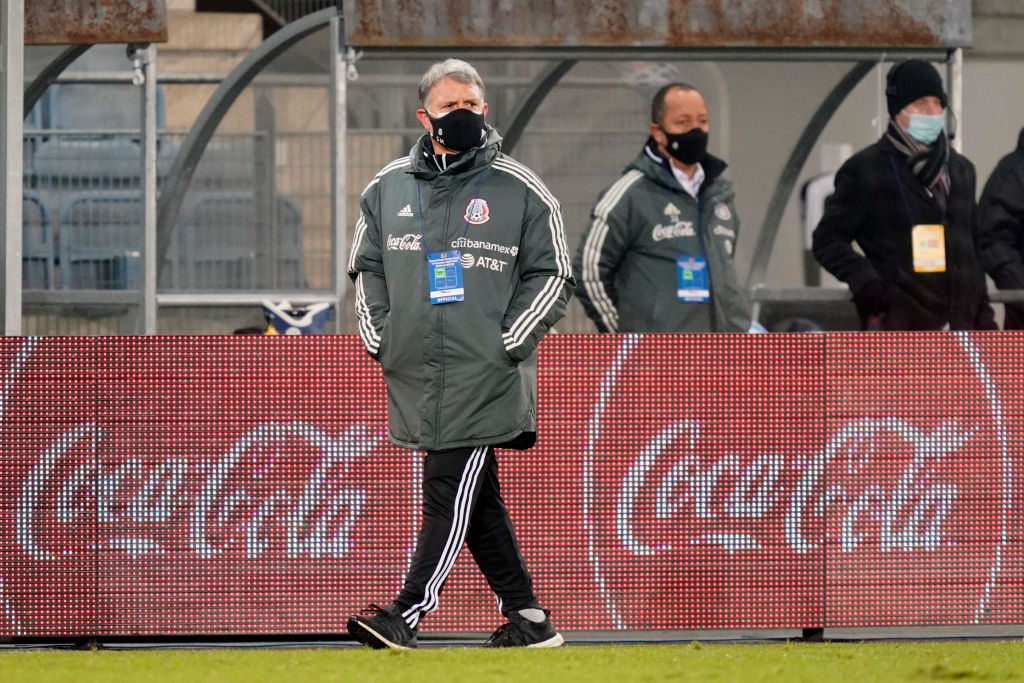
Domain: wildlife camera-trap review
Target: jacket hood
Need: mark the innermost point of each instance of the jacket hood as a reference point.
(655, 166)
(1020, 141)
(467, 162)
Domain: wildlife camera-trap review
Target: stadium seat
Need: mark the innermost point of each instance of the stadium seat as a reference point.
(92, 162)
(37, 244)
(228, 246)
(101, 240)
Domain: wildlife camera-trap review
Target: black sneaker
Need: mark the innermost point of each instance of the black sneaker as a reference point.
(521, 632)
(380, 627)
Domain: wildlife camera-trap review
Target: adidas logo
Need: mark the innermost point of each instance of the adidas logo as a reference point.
(406, 211)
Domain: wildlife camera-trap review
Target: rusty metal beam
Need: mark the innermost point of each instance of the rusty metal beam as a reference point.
(649, 24)
(86, 22)
(664, 54)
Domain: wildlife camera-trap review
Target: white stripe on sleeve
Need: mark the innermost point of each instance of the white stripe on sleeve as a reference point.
(539, 307)
(555, 226)
(595, 244)
(366, 330)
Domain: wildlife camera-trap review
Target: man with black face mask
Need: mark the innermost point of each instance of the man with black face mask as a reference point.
(658, 256)
(460, 267)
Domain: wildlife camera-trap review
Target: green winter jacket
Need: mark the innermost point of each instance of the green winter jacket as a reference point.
(461, 373)
(626, 263)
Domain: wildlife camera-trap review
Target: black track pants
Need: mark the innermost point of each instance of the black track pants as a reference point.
(462, 504)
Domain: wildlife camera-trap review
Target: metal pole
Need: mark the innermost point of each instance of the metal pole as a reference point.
(791, 171)
(12, 86)
(149, 266)
(50, 73)
(180, 176)
(955, 78)
(538, 90)
(339, 153)
(267, 239)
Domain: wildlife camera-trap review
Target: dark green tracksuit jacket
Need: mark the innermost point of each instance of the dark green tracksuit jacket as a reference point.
(626, 264)
(462, 373)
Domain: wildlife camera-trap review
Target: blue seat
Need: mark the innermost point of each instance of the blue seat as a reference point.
(87, 162)
(37, 244)
(101, 240)
(224, 250)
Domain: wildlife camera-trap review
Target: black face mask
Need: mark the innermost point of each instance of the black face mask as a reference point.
(689, 147)
(460, 129)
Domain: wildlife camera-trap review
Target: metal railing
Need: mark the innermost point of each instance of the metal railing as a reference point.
(82, 226)
(286, 11)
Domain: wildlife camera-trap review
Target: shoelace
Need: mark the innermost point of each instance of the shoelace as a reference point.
(373, 609)
(500, 630)
(509, 630)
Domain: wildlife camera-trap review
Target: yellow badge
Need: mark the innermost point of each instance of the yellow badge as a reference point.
(929, 248)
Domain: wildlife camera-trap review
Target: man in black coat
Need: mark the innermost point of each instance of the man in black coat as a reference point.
(1001, 229)
(908, 202)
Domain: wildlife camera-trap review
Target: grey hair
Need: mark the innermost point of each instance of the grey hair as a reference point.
(455, 69)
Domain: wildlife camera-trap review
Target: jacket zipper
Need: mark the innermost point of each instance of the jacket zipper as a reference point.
(704, 239)
(440, 320)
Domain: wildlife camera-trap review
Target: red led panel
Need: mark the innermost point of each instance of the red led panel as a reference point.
(49, 432)
(683, 454)
(235, 485)
(919, 478)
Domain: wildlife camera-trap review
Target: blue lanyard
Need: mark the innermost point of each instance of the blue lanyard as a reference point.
(419, 207)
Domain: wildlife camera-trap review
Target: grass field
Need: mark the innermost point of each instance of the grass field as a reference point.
(817, 662)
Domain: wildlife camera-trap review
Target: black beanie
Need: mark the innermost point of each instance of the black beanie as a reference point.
(909, 81)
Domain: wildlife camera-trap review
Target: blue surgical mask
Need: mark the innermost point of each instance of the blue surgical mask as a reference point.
(925, 128)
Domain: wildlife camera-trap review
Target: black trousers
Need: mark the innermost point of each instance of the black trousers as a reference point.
(462, 504)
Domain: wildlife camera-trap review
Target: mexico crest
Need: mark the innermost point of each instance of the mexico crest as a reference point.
(477, 212)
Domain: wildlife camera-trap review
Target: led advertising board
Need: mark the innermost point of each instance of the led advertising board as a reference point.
(241, 485)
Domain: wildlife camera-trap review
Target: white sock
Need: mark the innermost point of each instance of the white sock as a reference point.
(535, 615)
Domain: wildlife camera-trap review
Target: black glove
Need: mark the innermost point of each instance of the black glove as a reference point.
(1010, 276)
(872, 299)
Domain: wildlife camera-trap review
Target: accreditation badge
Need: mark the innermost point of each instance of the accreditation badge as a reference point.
(692, 279)
(929, 248)
(445, 273)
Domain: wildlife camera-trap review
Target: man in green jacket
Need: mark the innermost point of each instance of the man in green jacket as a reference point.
(658, 256)
(460, 267)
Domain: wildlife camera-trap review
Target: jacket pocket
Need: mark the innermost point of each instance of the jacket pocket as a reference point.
(504, 354)
(385, 339)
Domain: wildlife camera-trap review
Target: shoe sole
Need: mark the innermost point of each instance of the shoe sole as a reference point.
(554, 641)
(367, 636)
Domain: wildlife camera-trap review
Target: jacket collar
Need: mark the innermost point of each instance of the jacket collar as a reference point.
(653, 164)
(895, 158)
(422, 166)
(886, 144)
